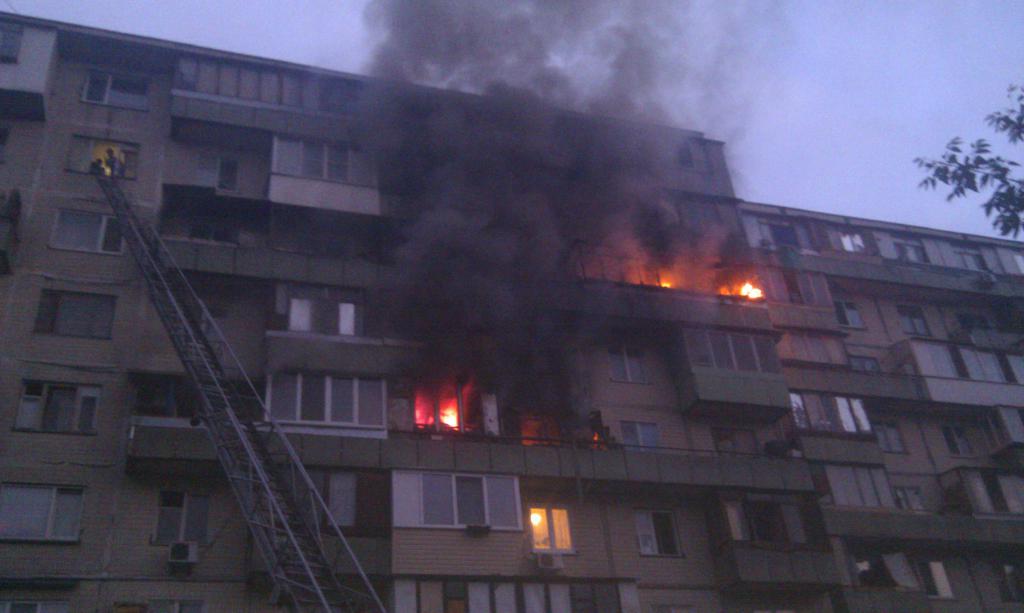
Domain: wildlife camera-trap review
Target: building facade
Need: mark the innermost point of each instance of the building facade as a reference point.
(851, 440)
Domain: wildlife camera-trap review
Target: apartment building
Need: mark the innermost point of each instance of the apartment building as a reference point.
(833, 423)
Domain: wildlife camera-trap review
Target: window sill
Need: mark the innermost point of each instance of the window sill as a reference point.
(63, 432)
(92, 251)
(555, 552)
(113, 106)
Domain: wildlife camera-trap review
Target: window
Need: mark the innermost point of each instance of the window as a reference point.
(908, 498)
(912, 320)
(33, 606)
(227, 174)
(10, 42)
(218, 171)
(321, 310)
(316, 160)
(1018, 259)
(864, 363)
(115, 90)
(763, 519)
(627, 364)
(585, 598)
(182, 517)
(956, 440)
(857, 486)
(910, 250)
(970, 258)
(75, 314)
(85, 231)
(110, 158)
(980, 365)
(55, 407)
(455, 500)
(852, 242)
(884, 570)
(829, 413)
(4, 132)
(848, 315)
(40, 512)
(338, 489)
(973, 321)
(791, 286)
(550, 529)
(1011, 581)
(932, 574)
(163, 396)
(175, 606)
(731, 351)
(639, 434)
(339, 401)
(734, 440)
(656, 533)
(889, 438)
(935, 360)
(783, 235)
(812, 348)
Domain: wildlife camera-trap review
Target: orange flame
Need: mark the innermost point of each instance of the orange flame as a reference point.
(748, 290)
(450, 414)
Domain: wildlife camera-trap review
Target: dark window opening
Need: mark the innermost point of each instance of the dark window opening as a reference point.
(75, 314)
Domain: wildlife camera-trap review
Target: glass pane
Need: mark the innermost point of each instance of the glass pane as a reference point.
(859, 416)
(540, 529)
(270, 87)
(501, 502)
(288, 156)
(30, 413)
(127, 92)
(635, 365)
(96, 88)
(617, 363)
(720, 349)
(313, 398)
(59, 409)
(866, 487)
(845, 414)
(228, 81)
(168, 524)
(645, 533)
(312, 160)
(24, 511)
(630, 435)
(84, 315)
(697, 348)
(560, 521)
(743, 348)
(300, 315)
(371, 402)
(337, 162)
(437, 500)
(67, 514)
(470, 499)
(665, 532)
(346, 318)
(77, 230)
(341, 498)
(282, 396)
(649, 435)
(195, 521)
(342, 407)
(111, 237)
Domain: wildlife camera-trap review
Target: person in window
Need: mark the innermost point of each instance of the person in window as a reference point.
(114, 167)
(96, 167)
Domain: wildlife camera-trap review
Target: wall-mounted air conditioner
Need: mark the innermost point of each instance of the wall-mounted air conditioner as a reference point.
(183, 554)
(550, 561)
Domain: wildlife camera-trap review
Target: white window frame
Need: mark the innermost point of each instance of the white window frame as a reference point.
(51, 514)
(325, 162)
(642, 442)
(91, 142)
(624, 351)
(937, 571)
(452, 477)
(183, 520)
(550, 518)
(649, 514)
(852, 241)
(911, 494)
(106, 221)
(846, 307)
(81, 392)
(328, 391)
(109, 78)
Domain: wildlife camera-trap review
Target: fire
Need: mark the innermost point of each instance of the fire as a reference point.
(747, 290)
(450, 414)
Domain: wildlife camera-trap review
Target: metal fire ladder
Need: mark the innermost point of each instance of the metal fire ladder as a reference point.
(285, 512)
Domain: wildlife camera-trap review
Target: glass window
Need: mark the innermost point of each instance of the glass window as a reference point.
(39, 512)
(908, 498)
(33, 606)
(227, 174)
(116, 90)
(656, 533)
(640, 434)
(912, 321)
(10, 42)
(469, 492)
(337, 162)
(103, 157)
(932, 574)
(852, 242)
(627, 364)
(181, 517)
(697, 348)
(465, 500)
(743, 350)
(4, 133)
(721, 350)
(228, 80)
(50, 407)
(864, 363)
(956, 440)
(75, 314)
(86, 231)
(502, 502)
(858, 486)
(1011, 581)
(734, 440)
(982, 365)
(934, 360)
(437, 500)
(175, 606)
(848, 315)
(889, 437)
(550, 529)
(910, 250)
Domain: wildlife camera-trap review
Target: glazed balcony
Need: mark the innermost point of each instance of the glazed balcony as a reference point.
(740, 565)
(880, 600)
(895, 526)
(847, 382)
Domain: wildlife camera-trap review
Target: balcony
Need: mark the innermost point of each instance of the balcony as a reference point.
(253, 114)
(1000, 340)
(1008, 429)
(844, 449)
(24, 82)
(178, 447)
(888, 525)
(760, 396)
(328, 195)
(880, 600)
(847, 382)
(940, 380)
(803, 317)
(749, 566)
(355, 355)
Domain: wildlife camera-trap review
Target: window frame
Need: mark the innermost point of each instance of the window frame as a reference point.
(82, 391)
(659, 553)
(860, 475)
(11, 36)
(59, 295)
(890, 432)
(625, 352)
(925, 568)
(5, 605)
(702, 336)
(326, 161)
(843, 310)
(905, 496)
(110, 77)
(912, 314)
(51, 517)
(517, 510)
(855, 238)
(1011, 580)
(549, 511)
(186, 505)
(905, 246)
(964, 446)
(853, 360)
(328, 386)
(75, 166)
(638, 428)
(101, 237)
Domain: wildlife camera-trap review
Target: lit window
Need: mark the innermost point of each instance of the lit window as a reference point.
(123, 91)
(10, 42)
(339, 401)
(908, 498)
(848, 315)
(75, 314)
(182, 517)
(550, 529)
(104, 157)
(656, 533)
(86, 231)
(53, 407)
(449, 406)
(640, 435)
(932, 574)
(455, 500)
(627, 364)
(40, 512)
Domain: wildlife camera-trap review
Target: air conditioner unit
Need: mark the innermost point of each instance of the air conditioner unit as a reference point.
(183, 553)
(550, 561)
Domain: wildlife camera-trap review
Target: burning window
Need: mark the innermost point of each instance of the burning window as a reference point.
(104, 157)
(448, 407)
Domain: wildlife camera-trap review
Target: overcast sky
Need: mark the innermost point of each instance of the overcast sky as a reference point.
(838, 103)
